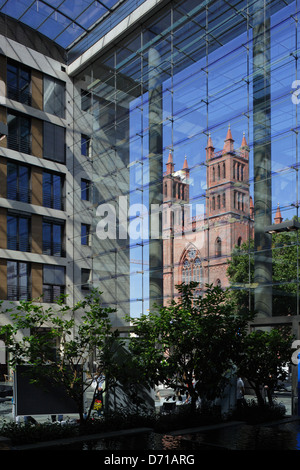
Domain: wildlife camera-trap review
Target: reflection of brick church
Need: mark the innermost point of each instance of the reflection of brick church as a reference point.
(198, 248)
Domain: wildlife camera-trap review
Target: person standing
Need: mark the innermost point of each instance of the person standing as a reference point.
(240, 393)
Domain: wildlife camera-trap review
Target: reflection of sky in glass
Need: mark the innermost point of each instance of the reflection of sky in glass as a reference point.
(62, 21)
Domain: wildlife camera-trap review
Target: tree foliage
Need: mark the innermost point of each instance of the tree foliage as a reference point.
(71, 349)
(264, 360)
(190, 344)
(284, 274)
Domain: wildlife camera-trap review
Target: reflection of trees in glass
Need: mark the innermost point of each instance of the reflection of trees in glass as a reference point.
(284, 280)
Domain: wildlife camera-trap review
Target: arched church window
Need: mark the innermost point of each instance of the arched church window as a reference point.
(186, 272)
(218, 247)
(219, 172)
(239, 241)
(224, 170)
(197, 272)
(224, 200)
(213, 174)
(219, 202)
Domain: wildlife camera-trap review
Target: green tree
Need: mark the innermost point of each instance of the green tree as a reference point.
(284, 274)
(59, 348)
(264, 358)
(190, 344)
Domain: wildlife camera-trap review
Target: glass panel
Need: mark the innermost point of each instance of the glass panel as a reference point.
(57, 192)
(12, 183)
(57, 240)
(47, 238)
(23, 234)
(54, 96)
(54, 142)
(12, 233)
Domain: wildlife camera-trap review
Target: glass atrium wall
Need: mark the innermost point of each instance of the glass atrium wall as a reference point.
(195, 107)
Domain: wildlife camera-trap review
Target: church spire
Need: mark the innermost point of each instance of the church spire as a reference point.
(170, 164)
(185, 164)
(244, 141)
(209, 148)
(228, 143)
(278, 218)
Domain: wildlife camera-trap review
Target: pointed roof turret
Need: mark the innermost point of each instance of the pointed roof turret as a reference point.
(185, 164)
(170, 164)
(209, 142)
(228, 143)
(209, 148)
(244, 141)
(278, 218)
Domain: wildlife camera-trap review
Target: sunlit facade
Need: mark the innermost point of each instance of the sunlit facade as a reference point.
(108, 105)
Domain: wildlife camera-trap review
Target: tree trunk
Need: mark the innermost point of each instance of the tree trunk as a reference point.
(260, 399)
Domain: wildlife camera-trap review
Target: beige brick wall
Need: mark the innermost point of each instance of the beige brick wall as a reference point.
(37, 137)
(37, 89)
(37, 234)
(37, 186)
(3, 227)
(37, 280)
(3, 176)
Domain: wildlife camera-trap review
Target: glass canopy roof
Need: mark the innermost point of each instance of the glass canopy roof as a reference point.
(63, 21)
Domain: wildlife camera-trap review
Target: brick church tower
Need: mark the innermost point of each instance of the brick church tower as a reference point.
(198, 248)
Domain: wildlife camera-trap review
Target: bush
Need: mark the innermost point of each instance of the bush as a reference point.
(253, 413)
(27, 433)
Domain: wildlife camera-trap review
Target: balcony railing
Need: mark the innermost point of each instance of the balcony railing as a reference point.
(18, 194)
(15, 242)
(53, 248)
(52, 293)
(22, 96)
(18, 293)
(54, 202)
(19, 144)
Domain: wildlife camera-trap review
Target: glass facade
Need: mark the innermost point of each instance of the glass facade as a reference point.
(193, 113)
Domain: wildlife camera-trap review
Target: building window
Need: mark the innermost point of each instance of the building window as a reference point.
(85, 234)
(54, 142)
(224, 170)
(85, 146)
(53, 235)
(18, 182)
(19, 133)
(18, 233)
(18, 83)
(18, 275)
(197, 271)
(53, 282)
(85, 190)
(54, 96)
(85, 278)
(224, 199)
(186, 272)
(192, 269)
(239, 242)
(218, 247)
(53, 190)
